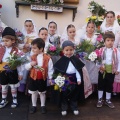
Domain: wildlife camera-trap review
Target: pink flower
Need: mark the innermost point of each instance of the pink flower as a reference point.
(52, 48)
(99, 38)
(20, 53)
(98, 53)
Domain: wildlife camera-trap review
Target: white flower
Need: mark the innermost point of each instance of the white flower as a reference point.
(13, 53)
(92, 56)
(61, 1)
(60, 81)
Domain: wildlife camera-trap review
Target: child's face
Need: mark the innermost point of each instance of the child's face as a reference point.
(8, 42)
(109, 42)
(90, 28)
(36, 50)
(52, 28)
(43, 34)
(68, 51)
(29, 27)
(71, 32)
(110, 18)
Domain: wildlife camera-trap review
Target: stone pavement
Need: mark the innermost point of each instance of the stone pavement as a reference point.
(88, 111)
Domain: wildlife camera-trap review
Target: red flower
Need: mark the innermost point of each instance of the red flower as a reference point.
(0, 6)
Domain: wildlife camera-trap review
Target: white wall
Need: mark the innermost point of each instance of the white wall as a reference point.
(9, 14)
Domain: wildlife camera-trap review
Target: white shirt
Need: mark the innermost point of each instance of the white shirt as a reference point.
(40, 64)
(109, 58)
(71, 69)
(7, 54)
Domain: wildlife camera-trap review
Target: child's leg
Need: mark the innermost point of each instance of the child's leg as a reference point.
(4, 96)
(34, 97)
(109, 89)
(64, 103)
(101, 85)
(42, 100)
(14, 95)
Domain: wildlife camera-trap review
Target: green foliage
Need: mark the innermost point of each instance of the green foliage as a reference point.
(96, 8)
(86, 46)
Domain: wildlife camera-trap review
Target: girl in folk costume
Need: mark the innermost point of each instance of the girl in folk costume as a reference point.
(71, 35)
(9, 78)
(30, 33)
(89, 35)
(43, 34)
(111, 24)
(53, 37)
(72, 68)
(41, 69)
(110, 67)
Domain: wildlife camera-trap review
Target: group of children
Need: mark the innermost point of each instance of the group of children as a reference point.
(80, 74)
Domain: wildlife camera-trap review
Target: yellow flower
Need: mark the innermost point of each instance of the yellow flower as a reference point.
(56, 87)
(93, 17)
(87, 19)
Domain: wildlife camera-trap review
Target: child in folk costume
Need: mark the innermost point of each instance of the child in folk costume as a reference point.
(43, 34)
(110, 67)
(71, 35)
(53, 37)
(90, 36)
(41, 69)
(73, 69)
(30, 33)
(9, 78)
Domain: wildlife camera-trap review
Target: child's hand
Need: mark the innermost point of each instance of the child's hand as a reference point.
(78, 82)
(50, 82)
(102, 69)
(20, 77)
(33, 63)
(116, 72)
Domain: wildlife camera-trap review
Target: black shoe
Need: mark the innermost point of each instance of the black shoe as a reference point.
(43, 110)
(33, 110)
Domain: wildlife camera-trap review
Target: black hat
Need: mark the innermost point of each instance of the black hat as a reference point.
(67, 43)
(8, 31)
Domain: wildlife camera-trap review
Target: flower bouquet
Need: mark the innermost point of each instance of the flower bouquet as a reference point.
(118, 19)
(15, 60)
(54, 51)
(19, 35)
(84, 50)
(61, 83)
(96, 9)
(96, 19)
